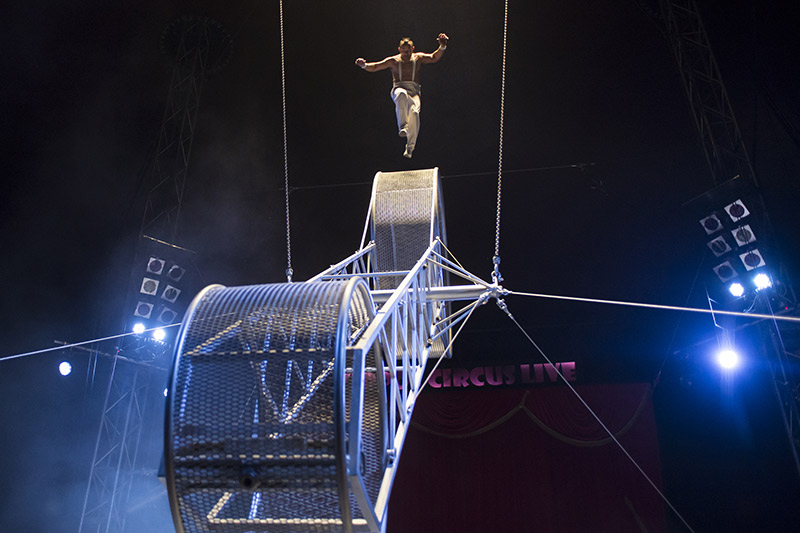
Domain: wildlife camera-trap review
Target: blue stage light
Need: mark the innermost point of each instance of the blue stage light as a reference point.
(736, 289)
(64, 368)
(762, 281)
(728, 359)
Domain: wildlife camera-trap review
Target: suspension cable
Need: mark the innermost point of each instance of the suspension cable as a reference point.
(289, 270)
(496, 277)
(83, 343)
(472, 306)
(504, 308)
(657, 306)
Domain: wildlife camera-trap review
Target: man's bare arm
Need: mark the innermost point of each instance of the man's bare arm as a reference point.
(375, 67)
(437, 55)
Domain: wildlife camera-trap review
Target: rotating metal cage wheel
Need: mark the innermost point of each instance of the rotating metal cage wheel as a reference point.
(258, 409)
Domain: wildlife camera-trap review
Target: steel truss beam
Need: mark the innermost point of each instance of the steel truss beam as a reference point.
(727, 158)
(116, 450)
(408, 328)
(708, 100)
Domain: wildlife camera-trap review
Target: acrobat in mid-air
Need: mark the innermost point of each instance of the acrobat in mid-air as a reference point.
(405, 68)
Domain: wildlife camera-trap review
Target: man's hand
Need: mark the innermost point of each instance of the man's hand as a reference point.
(443, 39)
(361, 62)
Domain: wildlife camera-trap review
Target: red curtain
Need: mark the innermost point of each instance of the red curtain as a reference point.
(529, 460)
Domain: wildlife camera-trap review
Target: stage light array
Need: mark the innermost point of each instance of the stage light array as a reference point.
(160, 293)
(734, 240)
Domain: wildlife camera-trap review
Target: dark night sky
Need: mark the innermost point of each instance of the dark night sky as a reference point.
(600, 153)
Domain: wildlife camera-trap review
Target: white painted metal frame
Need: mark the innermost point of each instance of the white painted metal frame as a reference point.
(402, 333)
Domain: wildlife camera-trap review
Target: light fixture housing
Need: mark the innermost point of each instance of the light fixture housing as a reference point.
(725, 271)
(175, 273)
(171, 294)
(155, 265)
(149, 286)
(737, 210)
(719, 246)
(743, 235)
(167, 316)
(143, 309)
(711, 224)
(752, 259)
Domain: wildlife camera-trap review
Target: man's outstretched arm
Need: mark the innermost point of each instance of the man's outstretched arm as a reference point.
(375, 67)
(437, 55)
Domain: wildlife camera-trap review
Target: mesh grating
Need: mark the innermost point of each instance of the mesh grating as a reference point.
(253, 441)
(402, 218)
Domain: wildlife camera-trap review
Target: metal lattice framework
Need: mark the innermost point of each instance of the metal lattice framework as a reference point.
(289, 403)
(727, 158)
(116, 449)
(198, 47)
(708, 100)
(786, 382)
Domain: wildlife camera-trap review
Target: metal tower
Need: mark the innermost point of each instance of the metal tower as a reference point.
(129, 407)
(727, 159)
(198, 47)
(713, 116)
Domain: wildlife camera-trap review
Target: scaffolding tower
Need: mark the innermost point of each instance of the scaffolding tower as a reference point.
(708, 100)
(728, 160)
(198, 47)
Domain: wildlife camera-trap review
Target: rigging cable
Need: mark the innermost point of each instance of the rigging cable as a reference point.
(579, 166)
(496, 277)
(289, 270)
(657, 306)
(504, 307)
(472, 306)
(778, 318)
(83, 343)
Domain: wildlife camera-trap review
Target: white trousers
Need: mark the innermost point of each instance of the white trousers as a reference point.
(407, 103)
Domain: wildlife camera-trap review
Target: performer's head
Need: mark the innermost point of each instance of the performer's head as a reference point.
(406, 48)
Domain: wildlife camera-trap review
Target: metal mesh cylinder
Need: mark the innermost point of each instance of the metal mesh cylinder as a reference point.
(404, 219)
(258, 408)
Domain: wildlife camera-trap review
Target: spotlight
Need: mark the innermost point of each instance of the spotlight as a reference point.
(159, 334)
(736, 210)
(143, 309)
(165, 392)
(155, 265)
(743, 235)
(752, 259)
(728, 359)
(175, 273)
(65, 369)
(719, 246)
(167, 316)
(762, 281)
(138, 328)
(149, 286)
(711, 224)
(171, 294)
(736, 289)
(725, 271)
